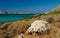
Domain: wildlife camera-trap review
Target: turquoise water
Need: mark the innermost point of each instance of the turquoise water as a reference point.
(13, 17)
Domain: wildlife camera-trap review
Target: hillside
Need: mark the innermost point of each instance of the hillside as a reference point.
(14, 29)
(55, 11)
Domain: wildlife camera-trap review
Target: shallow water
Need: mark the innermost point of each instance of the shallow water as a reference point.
(13, 17)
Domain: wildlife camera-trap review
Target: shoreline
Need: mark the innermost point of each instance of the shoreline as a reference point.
(18, 19)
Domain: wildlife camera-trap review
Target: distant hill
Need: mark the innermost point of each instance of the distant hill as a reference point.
(3, 12)
(21, 13)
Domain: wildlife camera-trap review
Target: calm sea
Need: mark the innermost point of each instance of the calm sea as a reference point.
(13, 17)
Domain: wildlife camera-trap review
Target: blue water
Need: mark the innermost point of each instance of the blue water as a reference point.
(13, 17)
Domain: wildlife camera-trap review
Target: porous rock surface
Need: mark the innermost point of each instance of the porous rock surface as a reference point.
(38, 26)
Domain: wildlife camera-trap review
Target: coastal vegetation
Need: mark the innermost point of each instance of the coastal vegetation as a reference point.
(15, 28)
(36, 15)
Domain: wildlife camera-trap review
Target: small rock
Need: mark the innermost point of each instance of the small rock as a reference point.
(21, 36)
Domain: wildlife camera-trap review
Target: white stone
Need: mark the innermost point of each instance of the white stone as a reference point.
(39, 25)
(21, 36)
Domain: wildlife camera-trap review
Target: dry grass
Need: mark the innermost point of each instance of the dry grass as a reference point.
(13, 29)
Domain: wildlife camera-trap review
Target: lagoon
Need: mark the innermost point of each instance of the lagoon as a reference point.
(13, 17)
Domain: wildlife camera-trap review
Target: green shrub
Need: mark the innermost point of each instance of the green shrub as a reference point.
(50, 20)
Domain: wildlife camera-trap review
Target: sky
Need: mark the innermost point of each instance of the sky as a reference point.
(28, 5)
